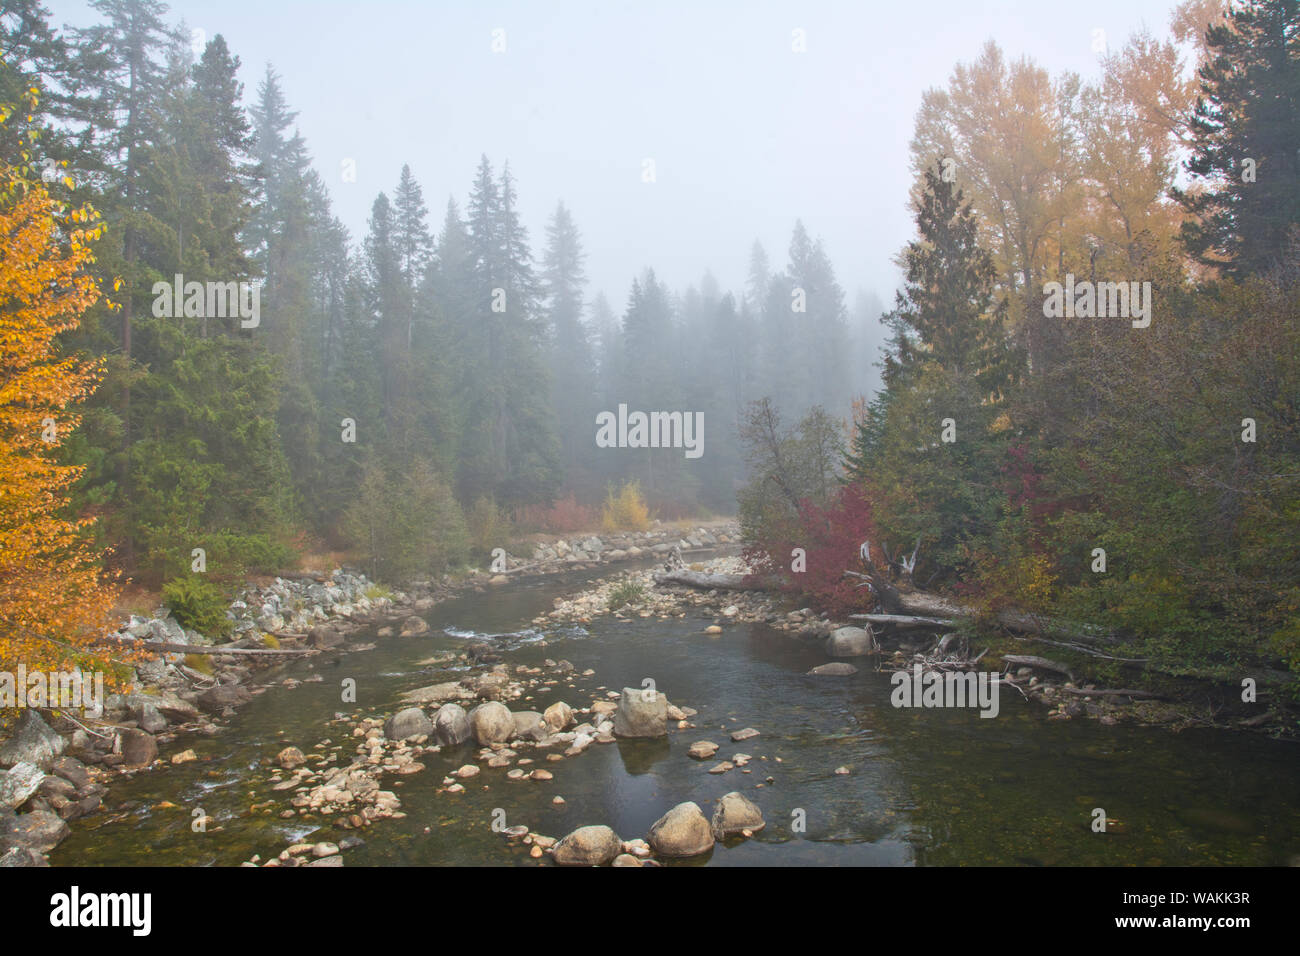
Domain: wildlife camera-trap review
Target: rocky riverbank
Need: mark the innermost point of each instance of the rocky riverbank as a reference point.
(55, 769)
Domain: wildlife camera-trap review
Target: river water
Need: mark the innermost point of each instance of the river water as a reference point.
(925, 787)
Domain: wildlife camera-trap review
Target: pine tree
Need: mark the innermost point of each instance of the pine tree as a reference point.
(1248, 115)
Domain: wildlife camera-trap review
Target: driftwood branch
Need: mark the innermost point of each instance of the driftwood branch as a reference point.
(904, 620)
(700, 579)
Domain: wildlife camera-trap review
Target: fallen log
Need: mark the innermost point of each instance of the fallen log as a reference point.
(199, 648)
(705, 581)
(904, 620)
(1042, 663)
(1135, 694)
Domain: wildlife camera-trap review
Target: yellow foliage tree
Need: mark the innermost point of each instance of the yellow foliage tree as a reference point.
(54, 596)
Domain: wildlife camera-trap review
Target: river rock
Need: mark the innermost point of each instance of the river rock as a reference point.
(414, 625)
(18, 783)
(408, 723)
(850, 642)
(434, 693)
(529, 725)
(290, 757)
(588, 846)
(216, 699)
(149, 718)
(491, 723)
(451, 725)
(139, 749)
(702, 749)
(559, 715)
(682, 831)
(39, 831)
(736, 812)
(324, 637)
(32, 741)
(745, 734)
(641, 713)
(838, 669)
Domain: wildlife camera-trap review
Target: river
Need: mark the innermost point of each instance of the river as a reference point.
(925, 787)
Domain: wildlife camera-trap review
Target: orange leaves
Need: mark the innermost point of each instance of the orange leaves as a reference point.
(53, 595)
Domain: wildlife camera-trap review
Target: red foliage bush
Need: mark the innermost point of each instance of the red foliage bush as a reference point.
(563, 516)
(831, 538)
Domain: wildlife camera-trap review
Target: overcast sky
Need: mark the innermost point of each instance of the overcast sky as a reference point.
(746, 135)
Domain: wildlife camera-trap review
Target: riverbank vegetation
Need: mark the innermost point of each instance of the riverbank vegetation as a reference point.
(1138, 478)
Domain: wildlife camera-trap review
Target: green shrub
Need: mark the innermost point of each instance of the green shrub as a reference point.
(197, 604)
(626, 592)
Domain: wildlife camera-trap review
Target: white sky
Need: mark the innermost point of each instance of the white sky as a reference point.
(746, 135)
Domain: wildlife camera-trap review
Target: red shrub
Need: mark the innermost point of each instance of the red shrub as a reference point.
(831, 538)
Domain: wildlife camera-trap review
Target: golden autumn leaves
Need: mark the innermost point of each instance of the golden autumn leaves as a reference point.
(54, 597)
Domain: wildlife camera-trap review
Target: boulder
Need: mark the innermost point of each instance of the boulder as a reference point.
(682, 831)
(850, 642)
(149, 718)
(324, 637)
(838, 669)
(559, 715)
(736, 812)
(641, 713)
(414, 625)
(39, 831)
(529, 725)
(588, 846)
(32, 741)
(139, 749)
(216, 699)
(491, 723)
(411, 722)
(18, 783)
(451, 725)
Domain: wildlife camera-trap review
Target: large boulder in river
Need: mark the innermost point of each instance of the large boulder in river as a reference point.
(18, 783)
(414, 625)
(491, 723)
(216, 699)
(559, 716)
(451, 725)
(32, 741)
(588, 846)
(324, 637)
(850, 642)
(736, 812)
(529, 725)
(408, 723)
(139, 749)
(641, 713)
(682, 831)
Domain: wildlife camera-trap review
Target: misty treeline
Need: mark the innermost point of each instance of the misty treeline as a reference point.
(1141, 479)
(408, 394)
